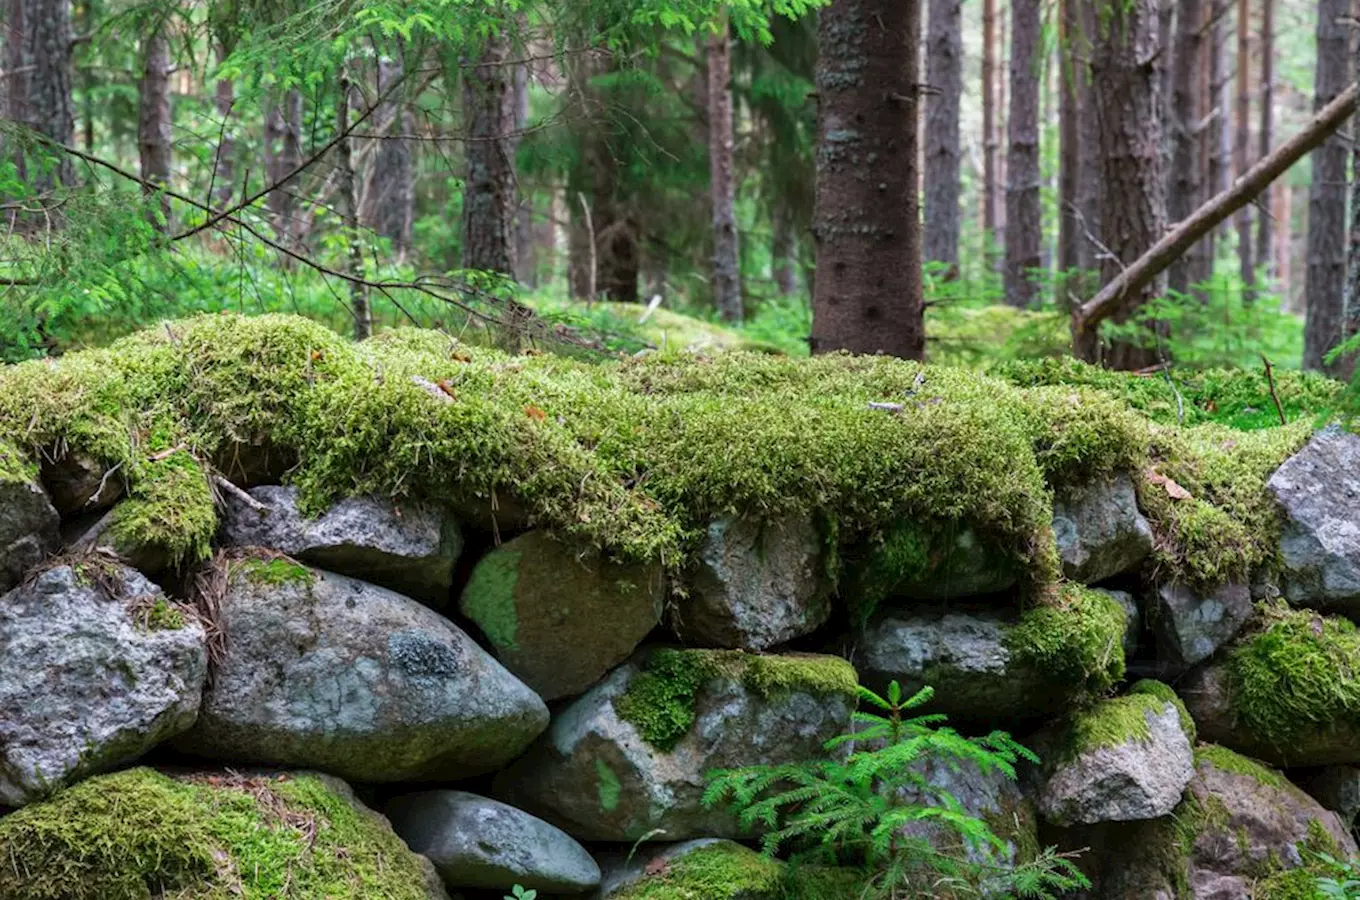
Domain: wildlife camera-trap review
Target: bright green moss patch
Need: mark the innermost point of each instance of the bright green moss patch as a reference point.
(802, 882)
(489, 598)
(1163, 692)
(1226, 760)
(1294, 884)
(1109, 723)
(1300, 671)
(160, 615)
(720, 871)
(660, 700)
(1077, 639)
(15, 467)
(275, 571)
(138, 834)
(170, 512)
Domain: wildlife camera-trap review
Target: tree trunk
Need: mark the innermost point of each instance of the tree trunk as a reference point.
(1128, 111)
(1242, 143)
(1185, 190)
(39, 55)
(489, 189)
(989, 136)
(348, 208)
(1069, 143)
(1325, 280)
(283, 154)
(944, 74)
(224, 162)
(783, 253)
(1344, 368)
(1220, 134)
(1264, 254)
(582, 265)
(1090, 185)
(526, 249)
(867, 223)
(1024, 223)
(154, 125)
(387, 202)
(722, 177)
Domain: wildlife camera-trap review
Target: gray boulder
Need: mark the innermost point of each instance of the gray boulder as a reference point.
(1133, 616)
(475, 842)
(987, 795)
(28, 527)
(410, 548)
(1123, 760)
(596, 775)
(96, 668)
(1337, 788)
(756, 584)
(557, 619)
(78, 483)
(1099, 530)
(323, 671)
(1192, 625)
(1318, 489)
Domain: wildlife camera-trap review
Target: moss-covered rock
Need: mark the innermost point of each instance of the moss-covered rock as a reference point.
(558, 619)
(141, 833)
(28, 521)
(696, 870)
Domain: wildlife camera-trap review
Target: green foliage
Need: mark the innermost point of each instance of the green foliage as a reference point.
(874, 808)
(519, 892)
(276, 571)
(1076, 639)
(1341, 881)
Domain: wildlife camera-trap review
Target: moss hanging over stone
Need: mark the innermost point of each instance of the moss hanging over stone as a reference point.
(1298, 671)
(721, 871)
(1077, 639)
(1229, 761)
(1109, 723)
(140, 833)
(660, 700)
(170, 512)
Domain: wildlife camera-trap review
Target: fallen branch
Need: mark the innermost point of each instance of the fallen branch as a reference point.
(222, 484)
(1270, 379)
(1142, 271)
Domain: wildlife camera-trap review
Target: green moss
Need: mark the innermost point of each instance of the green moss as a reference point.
(160, 615)
(170, 511)
(1164, 693)
(139, 833)
(723, 871)
(660, 700)
(1226, 760)
(489, 598)
(608, 786)
(1293, 884)
(15, 466)
(802, 882)
(1109, 723)
(1296, 673)
(1077, 639)
(276, 571)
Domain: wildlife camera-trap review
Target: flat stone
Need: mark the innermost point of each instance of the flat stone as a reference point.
(1099, 530)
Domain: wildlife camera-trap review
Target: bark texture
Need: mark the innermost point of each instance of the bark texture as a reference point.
(1186, 80)
(1125, 88)
(1069, 142)
(723, 177)
(153, 124)
(867, 296)
(1266, 134)
(1242, 141)
(39, 55)
(944, 74)
(783, 253)
(1326, 276)
(1220, 135)
(387, 200)
(283, 154)
(1090, 185)
(489, 188)
(989, 136)
(1024, 223)
(1345, 367)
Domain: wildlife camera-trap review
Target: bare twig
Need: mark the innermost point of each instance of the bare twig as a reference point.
(1270, 379)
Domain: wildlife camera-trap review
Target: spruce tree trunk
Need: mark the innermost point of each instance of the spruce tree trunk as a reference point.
(1220, 135)
(989, 136)
(348, 208)
(1242, 143)
(489, 188)
(39, 56)
(1128, 113)
(1090, 185)
(283, 154)
(867, 296)
(154, 124)
(722, 177)
(387, 201)
(1201, 256)
(1264, 255)
(1069, 143)
(1184, 191)
(1344, 368)
(1326, 277)
(224, 162)
(1024, 224)
(944, 74)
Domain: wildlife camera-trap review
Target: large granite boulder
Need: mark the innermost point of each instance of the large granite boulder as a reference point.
(756, 584)
(410, 548)
(1192, 624)
(28, 523)
(631, 755)
(475, 842)
(1241, 833)
(323, 671)
(1317, 489)
(1099, 530)
(1120, 760)
(96, 668)
(557, 619)
(142, 833)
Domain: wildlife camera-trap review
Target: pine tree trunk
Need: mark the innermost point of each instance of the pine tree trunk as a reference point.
(1220, 134)
(1184, 191)
(989, 136)
(1326, 277)
(526, 249)
(944, 74)
(283, 154)
(1069, 143)
(1201, 256)
(348, 208)
(1003, 81)
(1242, 143)
(154, 124)
(39, 56)
(1090, 185)
(582, 264)
(387, 201)
(783, 253)
(1264, 247)
(867, 228)
(1344, 368)
(224, 162)
(1024, 224)
(489, 188)
(1128, 112)
(722, 177)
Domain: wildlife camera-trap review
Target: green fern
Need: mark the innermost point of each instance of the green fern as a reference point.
(871, 805)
